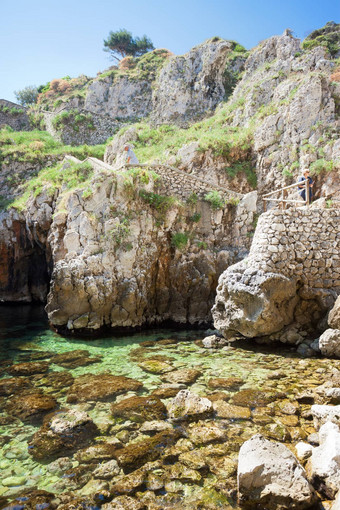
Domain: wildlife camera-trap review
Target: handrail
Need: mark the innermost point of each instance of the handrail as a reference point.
(283, 200)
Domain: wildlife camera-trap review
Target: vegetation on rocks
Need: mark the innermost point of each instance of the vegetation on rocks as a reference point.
(328, 36)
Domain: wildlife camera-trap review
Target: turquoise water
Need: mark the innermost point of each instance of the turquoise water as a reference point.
(24, 331)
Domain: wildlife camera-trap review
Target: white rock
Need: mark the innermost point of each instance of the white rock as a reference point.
(303, 450)
(270, 475)
(329, 343)
(325, 459)
(324, 413)
(187, 405)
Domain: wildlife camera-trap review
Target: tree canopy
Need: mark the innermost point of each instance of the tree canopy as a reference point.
(27, 96)
(122, 43)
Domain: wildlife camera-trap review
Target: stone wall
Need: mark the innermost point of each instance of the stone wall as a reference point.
(181, 184)
(292, 275)
(96, 131)
(303, 242)
(13, 115)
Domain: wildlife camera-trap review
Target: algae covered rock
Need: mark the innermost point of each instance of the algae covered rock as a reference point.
(74, 359)
(13, 385)
(270, 476)
(139, 409)
(102, 387)
(31, 407)
(136, 455)
(187, 405)
(61, 434)
(183, 376)
(155, 366)
(29, 368)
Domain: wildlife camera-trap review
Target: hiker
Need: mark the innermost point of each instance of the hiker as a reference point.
(302, 186)
(130, 156)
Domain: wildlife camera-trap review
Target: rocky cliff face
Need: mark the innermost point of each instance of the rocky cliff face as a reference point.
(127, 256)
(14, 116)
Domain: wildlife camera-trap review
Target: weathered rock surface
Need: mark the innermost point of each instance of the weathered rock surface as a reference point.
(270, 476)
(176, 102)
(324, 462)
(183, 376)
(323, 413)
(99, 243)
(14, 116)
(61, 434)
(186, 405)
(29, 368)
(329, 343)
(101, 387)
(31, 407)
(139, 409)
(334, 315)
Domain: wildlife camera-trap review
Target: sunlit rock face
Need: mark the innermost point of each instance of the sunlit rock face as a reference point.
(292, 274)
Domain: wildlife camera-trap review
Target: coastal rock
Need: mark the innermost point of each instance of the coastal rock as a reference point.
(13, 385)
(303, 450)
(213, 342)
(107, 470)
(61, 434)
(183, 376)
(29, 368)
(136, 455)
(329, 343)
(253, 303)
(206, 433)
(186, 405)
(324, 462)
(124, 503)
(334, 315)
(74, 359)
(139, 409)
(31, 407)
(102, 387)
(323, 413)
(270, 476)
(230, 383)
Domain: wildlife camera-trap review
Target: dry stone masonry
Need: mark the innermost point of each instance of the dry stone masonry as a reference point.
(292, 274)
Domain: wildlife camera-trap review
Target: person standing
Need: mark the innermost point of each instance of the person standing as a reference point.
(130, 156)
(302, 186)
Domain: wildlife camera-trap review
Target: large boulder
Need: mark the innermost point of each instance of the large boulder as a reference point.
(100, 387)
(329, 343)
(270, 476)
(334, 315)
(325, 461)
(252, 302)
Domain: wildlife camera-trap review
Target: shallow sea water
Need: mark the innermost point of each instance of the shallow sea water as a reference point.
(24, 330)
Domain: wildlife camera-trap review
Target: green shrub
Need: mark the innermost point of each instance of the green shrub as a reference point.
(215, 200)
(119, 233)
(321, 165)
(161, 203)
(195, 218)
(179, 240)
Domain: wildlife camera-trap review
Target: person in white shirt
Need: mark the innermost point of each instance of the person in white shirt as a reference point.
(130, 156)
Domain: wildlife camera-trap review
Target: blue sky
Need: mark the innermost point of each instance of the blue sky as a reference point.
(45, 39)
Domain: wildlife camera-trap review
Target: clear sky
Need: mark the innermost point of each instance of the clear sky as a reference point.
(45, 39)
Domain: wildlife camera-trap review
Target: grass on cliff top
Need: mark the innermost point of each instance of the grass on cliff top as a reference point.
(36, 147)
(69, 176)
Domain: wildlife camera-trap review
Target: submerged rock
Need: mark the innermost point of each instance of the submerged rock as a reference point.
(187, 405)
(124, 503)
(270, 476)
(230, 383)
(74, 359)
(183, 376)
(139, 409)
(29, 368)
(136, 455)
(13, 385)
(61, 434)
(31, 407)
(103, 387)
(155, 366)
